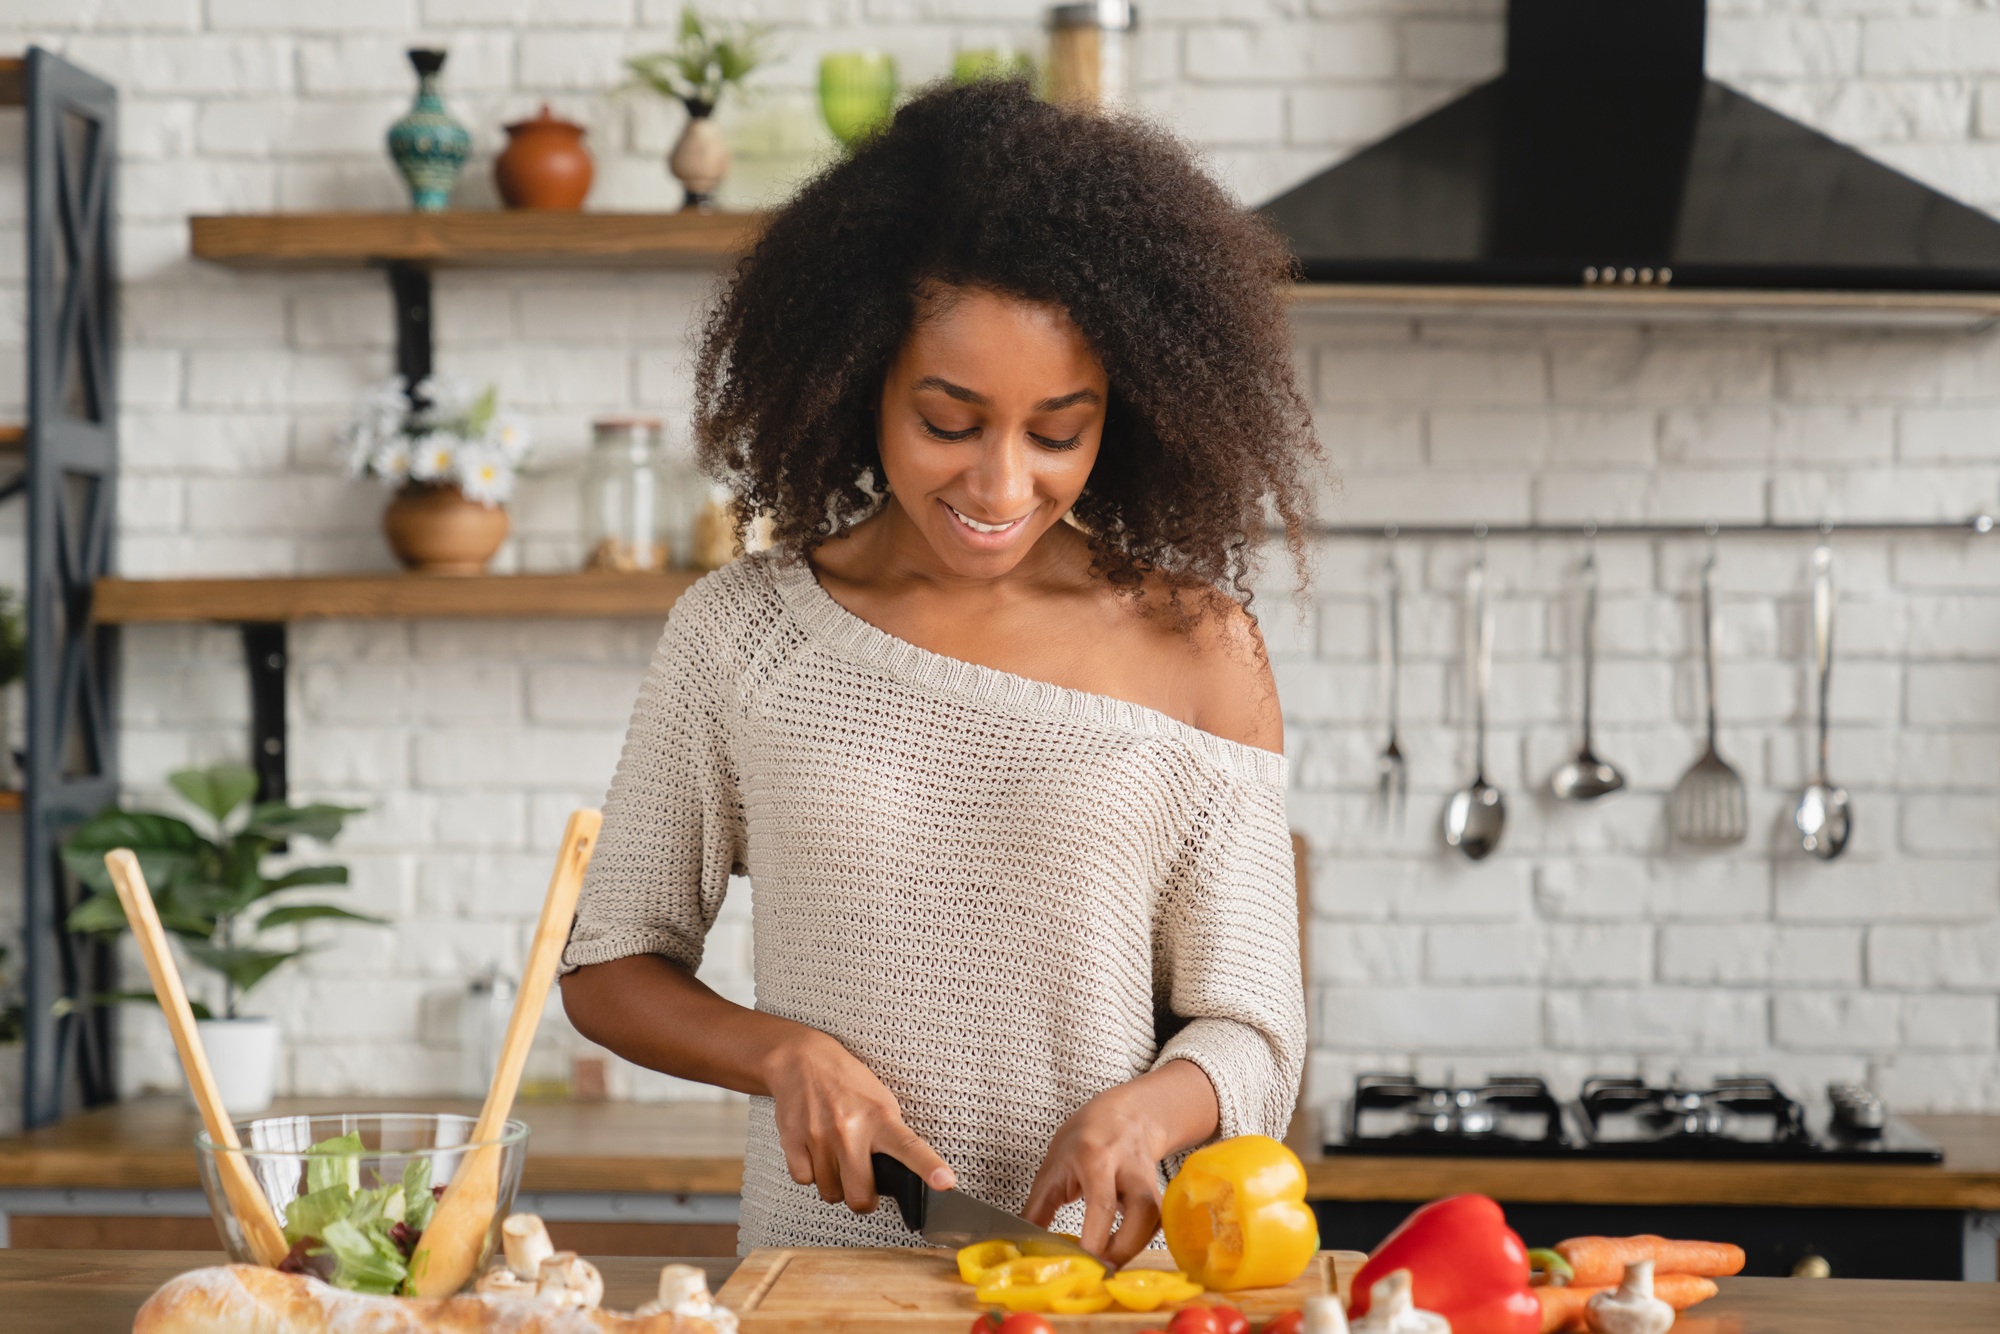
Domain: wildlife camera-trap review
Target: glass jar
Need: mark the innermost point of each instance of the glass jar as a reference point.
(1091, 53)
(627, 524)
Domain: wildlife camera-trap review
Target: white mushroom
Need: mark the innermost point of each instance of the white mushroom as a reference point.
(527, 1244)
(1632, 1309)
(1324, 1316)
(500, 1281)
(1392, 1310)
(684, 1292)
(567, 1279)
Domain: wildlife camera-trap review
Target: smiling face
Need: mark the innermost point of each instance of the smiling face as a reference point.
(990, 421)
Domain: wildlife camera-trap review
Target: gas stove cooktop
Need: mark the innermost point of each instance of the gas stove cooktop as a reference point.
(1748, 1117)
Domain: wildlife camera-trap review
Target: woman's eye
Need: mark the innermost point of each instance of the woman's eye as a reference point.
(1047, 443)
(939, 433)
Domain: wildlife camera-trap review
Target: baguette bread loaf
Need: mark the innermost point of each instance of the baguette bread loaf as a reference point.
(248, 1299)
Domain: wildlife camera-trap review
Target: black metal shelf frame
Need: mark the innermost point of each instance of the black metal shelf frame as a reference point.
(72, 484)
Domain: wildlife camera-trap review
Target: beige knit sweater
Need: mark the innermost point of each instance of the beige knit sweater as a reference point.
(1003, 896)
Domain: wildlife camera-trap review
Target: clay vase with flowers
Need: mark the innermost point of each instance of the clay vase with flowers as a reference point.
(450, 457)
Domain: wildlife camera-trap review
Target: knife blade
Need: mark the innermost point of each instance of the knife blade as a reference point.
(954, 1219)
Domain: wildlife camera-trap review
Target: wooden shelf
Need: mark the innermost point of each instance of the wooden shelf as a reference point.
(492, 239)
(13, 81)
(389, 597)
(12, 438)
(10, 799)
(1903, 310)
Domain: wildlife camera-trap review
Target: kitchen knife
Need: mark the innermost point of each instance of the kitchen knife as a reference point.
(953, 1219)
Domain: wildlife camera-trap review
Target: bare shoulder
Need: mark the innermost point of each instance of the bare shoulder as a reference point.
(1229, 686)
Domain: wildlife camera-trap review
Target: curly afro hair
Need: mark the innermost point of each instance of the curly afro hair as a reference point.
(1175, 287)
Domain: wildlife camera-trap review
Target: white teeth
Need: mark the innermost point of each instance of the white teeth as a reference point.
(979, 527)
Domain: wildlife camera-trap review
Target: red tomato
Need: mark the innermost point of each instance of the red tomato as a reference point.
(1231, 1320)
(988, 1322)
(1025, 1322)
(1287, 1322)
(1195, 1320)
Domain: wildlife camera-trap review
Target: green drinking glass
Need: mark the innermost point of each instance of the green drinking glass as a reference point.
(991, 63)
(857, 91)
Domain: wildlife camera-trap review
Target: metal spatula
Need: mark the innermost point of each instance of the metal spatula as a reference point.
(1708, 808)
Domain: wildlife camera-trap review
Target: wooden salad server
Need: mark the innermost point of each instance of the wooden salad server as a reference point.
(450, 1247)
(253, 1208)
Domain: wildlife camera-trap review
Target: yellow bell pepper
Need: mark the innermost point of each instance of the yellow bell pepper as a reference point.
(980, 1256)
(1033, 1282)
(1235, 1215)
(1081, 1295)
(1150, 1289)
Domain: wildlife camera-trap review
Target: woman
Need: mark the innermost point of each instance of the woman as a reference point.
(1010, 789)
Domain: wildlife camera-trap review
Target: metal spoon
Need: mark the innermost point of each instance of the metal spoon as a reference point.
(1476, 814)
(1823, 816)
(1392, 779)
(1586, 778)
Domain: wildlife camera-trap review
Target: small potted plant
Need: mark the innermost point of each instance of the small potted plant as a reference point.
(712, 57)
(215, 894)
(13, 663)
(450, 457)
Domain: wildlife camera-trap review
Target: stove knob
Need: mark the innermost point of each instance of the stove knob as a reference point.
(1812, 1266)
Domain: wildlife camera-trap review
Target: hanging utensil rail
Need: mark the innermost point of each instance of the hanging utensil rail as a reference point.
(1977, 525)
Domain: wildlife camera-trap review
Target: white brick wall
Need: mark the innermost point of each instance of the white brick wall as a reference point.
(1585, 944)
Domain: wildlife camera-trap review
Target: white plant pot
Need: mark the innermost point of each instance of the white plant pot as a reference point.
(243, 1056)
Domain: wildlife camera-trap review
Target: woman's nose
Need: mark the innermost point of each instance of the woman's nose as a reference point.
(1001, 480)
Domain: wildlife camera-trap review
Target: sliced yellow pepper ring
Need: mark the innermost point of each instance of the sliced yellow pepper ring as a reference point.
(980, 1256)
(1150, 1289)
(1036, 1246)
(1032, 1282)
(1081, 1295)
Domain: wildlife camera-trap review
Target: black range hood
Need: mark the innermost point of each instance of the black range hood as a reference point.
(1604, 156)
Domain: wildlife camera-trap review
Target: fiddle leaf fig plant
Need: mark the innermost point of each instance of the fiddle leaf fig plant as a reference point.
(210, 885)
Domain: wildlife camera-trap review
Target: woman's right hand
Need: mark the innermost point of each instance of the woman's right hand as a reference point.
(832, 1114)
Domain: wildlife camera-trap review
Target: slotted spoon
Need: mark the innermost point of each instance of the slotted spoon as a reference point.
(1708, 808)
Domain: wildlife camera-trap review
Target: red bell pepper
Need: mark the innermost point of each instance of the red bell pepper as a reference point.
(1465, 1263)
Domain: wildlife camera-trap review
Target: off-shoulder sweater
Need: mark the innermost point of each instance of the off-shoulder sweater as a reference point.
(1001, 895)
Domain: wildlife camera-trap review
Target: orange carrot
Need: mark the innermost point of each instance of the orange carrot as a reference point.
(1563, 1308)
(1602, 1260)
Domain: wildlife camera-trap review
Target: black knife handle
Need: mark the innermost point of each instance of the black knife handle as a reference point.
(897, 1182)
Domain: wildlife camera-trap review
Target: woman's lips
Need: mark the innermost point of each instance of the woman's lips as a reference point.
(982, 534)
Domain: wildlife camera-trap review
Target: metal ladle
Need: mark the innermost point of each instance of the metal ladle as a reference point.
(1586, 778)
(1823, 816)
(1476, 813)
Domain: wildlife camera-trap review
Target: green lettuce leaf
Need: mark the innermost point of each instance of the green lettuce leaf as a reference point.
(365, 1260)
(335, 1161)
(308, 1215)
(418, 1203)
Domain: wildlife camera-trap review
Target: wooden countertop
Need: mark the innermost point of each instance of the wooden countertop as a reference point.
(697, 1148)
(97, 1292)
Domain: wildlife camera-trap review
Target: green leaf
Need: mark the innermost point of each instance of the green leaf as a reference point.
(335, 1162)
(308, 875)
(309, 1214)
(481, 414)
(218, 789)
(98, 914)
(146, 998)
(366, 1260)
(418, 1202)
(164, 845)
(244, 966)
(293, 913)
(276, 820)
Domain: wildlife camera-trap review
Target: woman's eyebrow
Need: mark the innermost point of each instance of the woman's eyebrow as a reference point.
(973, 396)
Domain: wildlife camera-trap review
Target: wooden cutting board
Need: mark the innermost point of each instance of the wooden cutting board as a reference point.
(807, 1291)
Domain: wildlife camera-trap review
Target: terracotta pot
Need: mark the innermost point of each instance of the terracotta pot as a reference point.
(701, 159)
(436, 530)
(544, 165)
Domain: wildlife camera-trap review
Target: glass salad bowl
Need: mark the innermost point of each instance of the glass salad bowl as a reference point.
(354, 1191)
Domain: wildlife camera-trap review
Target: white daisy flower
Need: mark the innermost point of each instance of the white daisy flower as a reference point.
(434, 457)
(511, 435)
(484, 475)
(391, 461)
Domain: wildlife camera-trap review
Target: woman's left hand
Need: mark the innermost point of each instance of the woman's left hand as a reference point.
(1108, 1155)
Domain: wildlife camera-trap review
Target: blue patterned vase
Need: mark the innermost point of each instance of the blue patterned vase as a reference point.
(427, 144)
